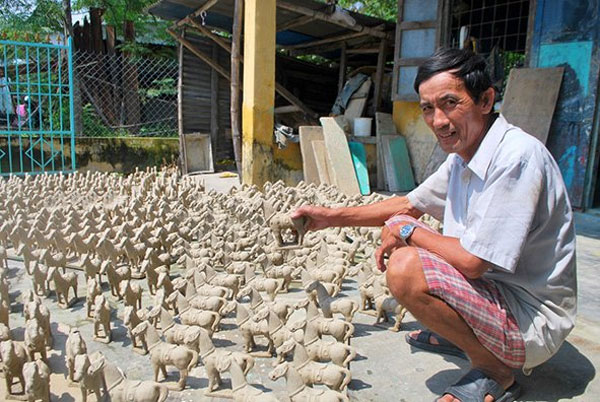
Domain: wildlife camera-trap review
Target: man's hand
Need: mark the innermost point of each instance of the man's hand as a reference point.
(389, 243)
(317, 217)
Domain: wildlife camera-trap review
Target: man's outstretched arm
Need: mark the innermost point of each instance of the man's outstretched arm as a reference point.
(366, 215)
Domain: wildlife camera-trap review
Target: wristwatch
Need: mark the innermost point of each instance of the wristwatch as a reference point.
(406, 231)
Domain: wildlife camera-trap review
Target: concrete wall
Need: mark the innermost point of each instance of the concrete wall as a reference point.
(109, 154)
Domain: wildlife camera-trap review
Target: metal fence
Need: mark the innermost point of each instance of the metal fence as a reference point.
(36, 108)
(119, 95)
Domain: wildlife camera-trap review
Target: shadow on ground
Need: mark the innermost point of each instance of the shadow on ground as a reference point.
(565, 376)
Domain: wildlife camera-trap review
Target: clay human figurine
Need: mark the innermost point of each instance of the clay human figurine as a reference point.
(163, 354)
(74, 346)
(241, 390)
(281, 222)
(88, 373)
(102, 332)
(120, 389)
(14, 356)
(298, 391)
(211, 356)
(345, 306)
(35, 339)
(93, 289)
(37, 381)
(62, 284)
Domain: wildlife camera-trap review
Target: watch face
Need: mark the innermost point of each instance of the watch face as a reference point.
(406, 231)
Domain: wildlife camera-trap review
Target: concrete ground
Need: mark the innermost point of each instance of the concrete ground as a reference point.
(386, 369)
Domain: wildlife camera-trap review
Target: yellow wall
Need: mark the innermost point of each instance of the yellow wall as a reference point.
(419, 138)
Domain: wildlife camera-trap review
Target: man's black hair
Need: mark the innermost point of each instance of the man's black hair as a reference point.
(471, 68)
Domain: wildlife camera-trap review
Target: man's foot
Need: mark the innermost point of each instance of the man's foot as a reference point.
(432, 342)
(479, 386)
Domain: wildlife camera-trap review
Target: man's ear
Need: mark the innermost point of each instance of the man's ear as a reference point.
(486, 100)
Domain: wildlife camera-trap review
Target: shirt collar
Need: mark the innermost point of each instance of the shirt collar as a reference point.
(483, 156)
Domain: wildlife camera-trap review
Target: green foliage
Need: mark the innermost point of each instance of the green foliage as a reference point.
(384, 9)
(165, 86)
(37, 17)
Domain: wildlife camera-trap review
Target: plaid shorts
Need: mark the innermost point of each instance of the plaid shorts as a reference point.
(478, 301)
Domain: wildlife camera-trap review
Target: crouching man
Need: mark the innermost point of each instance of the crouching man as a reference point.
(499, 285)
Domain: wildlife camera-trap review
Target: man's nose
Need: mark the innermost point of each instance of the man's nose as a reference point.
(440, 120)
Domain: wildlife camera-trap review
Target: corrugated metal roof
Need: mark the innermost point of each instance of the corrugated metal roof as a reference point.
(220, 16)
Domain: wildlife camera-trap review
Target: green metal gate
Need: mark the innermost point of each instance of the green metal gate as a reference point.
(37, 130)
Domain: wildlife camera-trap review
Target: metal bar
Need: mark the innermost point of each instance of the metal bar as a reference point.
(29, 104)
(15, 56)
(26, 133)
(71, 107)
(39, 85)
(41, 45)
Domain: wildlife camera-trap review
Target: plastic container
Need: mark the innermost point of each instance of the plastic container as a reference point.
(362, 126)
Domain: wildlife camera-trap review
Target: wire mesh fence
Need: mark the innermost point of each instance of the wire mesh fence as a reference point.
(119, 95)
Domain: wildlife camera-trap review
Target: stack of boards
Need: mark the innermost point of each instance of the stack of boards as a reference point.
(328, 157)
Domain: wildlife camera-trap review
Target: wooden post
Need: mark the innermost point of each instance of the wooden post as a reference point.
(68, 22)
(259, 91)
(214, 101)
(182, 148)
(131, 84)
(381, 57)
(96, 22)
(236, 118)
(343, 58)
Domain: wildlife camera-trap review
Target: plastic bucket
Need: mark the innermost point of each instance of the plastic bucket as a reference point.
(362, 126)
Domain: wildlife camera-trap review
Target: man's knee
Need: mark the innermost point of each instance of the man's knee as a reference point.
(404, 273)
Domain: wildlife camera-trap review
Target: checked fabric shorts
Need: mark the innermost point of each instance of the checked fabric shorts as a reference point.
(478, 301)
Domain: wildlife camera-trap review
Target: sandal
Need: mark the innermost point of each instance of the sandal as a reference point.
(446, 347)
(475, 385)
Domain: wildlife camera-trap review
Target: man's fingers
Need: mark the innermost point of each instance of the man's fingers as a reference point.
(380, 254)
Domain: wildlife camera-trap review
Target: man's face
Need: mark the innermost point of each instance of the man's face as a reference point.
(456, 120)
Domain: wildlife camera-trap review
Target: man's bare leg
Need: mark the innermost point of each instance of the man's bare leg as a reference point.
(407, 283)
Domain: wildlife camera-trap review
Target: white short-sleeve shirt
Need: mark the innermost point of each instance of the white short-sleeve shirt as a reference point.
(509, 206)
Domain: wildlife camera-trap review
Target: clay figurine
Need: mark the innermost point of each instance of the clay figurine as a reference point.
(163, 354)
(179, 334)
(298, 391)
(209, 320)
(35, 339)
(88, 373)
(120, 389)
(339, 329)
(269, 285)
(102, 332)
(14, 356)
(335, 377)
(211, 356)
(250, 328)
(62, 284)
(241, 390)
(131, 319)
(38, 278)
(258, 304)
(37, 381)
(345, 306)
(93, 289)
(131, 294)
(115, 276)
(280, 223)
(34, 308)
(388, 304)
(74, 346)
